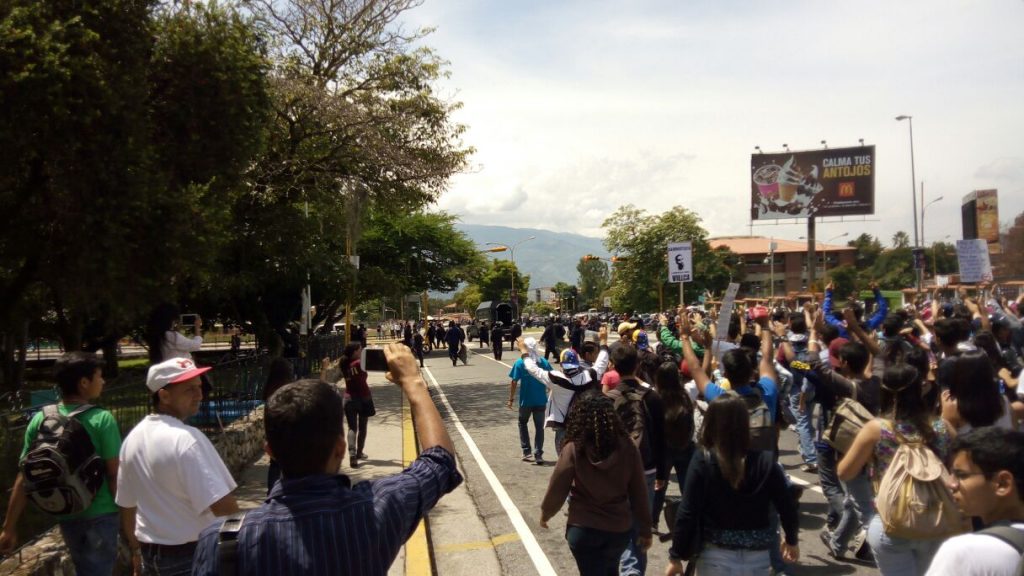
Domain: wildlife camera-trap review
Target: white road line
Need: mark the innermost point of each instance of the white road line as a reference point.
(540, 560)
(492, 359)
(806, 484)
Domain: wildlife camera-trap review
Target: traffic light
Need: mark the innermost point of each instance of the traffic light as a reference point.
(618, 259)
(590, 257)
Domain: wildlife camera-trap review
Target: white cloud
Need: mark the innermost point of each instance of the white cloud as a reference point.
(582, 106)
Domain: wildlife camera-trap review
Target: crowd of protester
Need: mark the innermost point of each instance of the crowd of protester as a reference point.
(908, 415)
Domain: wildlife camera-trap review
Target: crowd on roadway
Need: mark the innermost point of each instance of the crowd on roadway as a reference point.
(909, 417)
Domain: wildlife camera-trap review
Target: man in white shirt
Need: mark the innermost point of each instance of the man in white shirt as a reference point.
(171, 482)
(987, 482)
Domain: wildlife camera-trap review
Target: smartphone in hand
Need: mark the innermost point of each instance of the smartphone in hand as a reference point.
(373, 360)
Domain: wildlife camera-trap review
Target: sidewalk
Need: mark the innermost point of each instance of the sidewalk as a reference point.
(448, 541)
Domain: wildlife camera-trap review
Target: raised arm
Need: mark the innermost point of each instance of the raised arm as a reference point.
(767, 367)
(857, 331)
(700, 377)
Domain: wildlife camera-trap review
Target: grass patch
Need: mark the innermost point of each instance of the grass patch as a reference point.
(132, 363)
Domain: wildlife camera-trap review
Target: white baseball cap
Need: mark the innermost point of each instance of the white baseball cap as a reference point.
(173, 371)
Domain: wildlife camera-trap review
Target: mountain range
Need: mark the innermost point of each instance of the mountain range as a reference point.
(549, 258)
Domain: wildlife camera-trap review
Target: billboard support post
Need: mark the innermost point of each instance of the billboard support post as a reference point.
(812, 259)
(681, 301)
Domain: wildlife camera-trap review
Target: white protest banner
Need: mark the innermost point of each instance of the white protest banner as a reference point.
(972, 256)
(680, 262)
(725, 313)
(942, 281)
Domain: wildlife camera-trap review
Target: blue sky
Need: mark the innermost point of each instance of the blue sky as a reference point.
(578, 107)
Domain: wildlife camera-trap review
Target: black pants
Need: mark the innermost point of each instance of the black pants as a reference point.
(357, 423)
(596, 552)
(497, 350)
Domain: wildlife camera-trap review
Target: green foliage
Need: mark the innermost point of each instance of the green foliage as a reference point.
(642, 239)
(594, 278)
(868, 249)
(495, 283)
(468, 298)
(845, 280)
(404, 253)
(539, 309)
(900, 240)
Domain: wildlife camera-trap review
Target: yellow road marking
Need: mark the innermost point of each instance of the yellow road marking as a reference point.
(417, 548)
(480, 545)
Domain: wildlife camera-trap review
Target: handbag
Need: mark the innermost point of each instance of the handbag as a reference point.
(847, 420)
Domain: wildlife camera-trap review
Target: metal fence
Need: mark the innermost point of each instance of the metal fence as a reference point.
(237, 388)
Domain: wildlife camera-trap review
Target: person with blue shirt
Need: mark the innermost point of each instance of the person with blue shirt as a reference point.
(533, 397)
(881, 310)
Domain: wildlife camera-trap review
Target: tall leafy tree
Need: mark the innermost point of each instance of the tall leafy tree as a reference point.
(495, 283)
(642, 240)
(594, 279)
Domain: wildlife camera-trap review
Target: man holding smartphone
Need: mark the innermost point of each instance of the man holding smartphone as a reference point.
(305, 525)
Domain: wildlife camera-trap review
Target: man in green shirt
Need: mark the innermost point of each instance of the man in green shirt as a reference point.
(91, 535)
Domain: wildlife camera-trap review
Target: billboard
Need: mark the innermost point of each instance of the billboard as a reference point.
(830, 182)
(980, 215)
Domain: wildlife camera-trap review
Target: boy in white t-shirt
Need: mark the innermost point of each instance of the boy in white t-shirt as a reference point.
(987, 482)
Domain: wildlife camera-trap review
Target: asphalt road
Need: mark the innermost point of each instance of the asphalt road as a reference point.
(508, 492)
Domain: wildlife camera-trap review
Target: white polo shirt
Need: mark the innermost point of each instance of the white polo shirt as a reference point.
(975, 555)
(172, 474)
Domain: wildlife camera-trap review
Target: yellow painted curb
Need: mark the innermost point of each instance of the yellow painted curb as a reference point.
(417, 548)
(480, 545)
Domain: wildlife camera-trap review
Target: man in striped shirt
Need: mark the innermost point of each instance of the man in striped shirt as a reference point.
(314, 521)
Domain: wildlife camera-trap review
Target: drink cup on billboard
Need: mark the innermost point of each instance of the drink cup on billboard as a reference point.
(767, 179)
(789, 180)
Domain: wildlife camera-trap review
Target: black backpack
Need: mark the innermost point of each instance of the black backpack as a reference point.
(629, 405)
(61, 468)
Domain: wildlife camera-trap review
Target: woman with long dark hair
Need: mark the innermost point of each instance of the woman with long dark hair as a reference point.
(973, 399)
(904, 414)
(358, 401)
(163, 339)
(602, 468)
(679, 427)
(725, 517)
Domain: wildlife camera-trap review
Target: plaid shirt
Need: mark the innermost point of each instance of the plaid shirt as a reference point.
(323, 525)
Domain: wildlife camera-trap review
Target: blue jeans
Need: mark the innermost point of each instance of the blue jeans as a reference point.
(166, 565)
(596, 551)
(830, 485)
(858, 509)
(900, 556)
(559, 439)
(633, 561)
(92, 543)
(804, 424)
(715, 561)
(538, 430)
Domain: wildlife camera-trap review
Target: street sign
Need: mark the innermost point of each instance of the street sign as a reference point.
(918, 254)
(680, 262)
(607, 301)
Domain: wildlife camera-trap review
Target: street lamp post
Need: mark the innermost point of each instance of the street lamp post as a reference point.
(771, 270)
(913, 187)
(499, 247)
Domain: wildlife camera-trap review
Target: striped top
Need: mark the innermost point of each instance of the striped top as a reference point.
(323, 525)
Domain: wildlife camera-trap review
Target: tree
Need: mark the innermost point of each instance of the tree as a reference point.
(469, 298)
(868, 249)
(113, 206)
(594, 279)
(496, 282)
(642, 240)
(900, 240)
(845, 280)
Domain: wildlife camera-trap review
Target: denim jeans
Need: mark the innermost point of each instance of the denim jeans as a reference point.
(830, 485)
(859, 508)
(900, 556)
(166, 565)
(92, 543)
(559, 439)
(804, 423)
(633, 561)
(538, 430)
(596, 551)
(715, 561)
